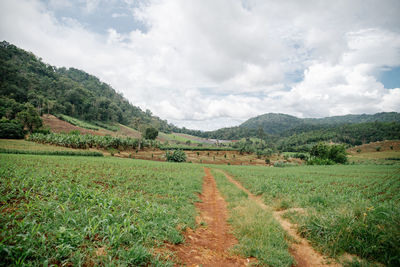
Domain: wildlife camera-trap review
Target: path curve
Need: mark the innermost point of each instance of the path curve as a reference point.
(209, 244)
(301, 250)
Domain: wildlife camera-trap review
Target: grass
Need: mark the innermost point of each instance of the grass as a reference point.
(349, 208)
(171, 137)
(258, 233)
(93, 211)
(77, 122)
(32, 146)
(195, 148)
(54, 153)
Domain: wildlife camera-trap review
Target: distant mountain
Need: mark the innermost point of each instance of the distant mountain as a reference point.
(276, 123)
(288, 133)
(272, 123)
(24, 78)
(349, 119)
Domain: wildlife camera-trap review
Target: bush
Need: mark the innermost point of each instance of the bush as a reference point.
(323, 154)
(319, 161)
(176, 156)
(151, 133)
(301, 156)
(11, 129)
(42, 130)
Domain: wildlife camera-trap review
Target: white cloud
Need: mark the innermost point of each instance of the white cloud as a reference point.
(216, 63)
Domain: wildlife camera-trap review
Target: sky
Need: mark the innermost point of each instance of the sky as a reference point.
(208, 64)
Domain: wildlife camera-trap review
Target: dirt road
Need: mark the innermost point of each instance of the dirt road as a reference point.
(209, 245)
(301, 250)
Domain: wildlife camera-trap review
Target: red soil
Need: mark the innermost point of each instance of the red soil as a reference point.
(209, 245)
(301, 250)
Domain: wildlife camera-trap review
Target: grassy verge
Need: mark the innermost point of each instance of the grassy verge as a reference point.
(28, 145)
(92, 211)
(350, 208)
(54, 153)
(196, 148)
(259, 235)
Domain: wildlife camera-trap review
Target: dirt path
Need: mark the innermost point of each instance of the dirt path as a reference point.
(301, 249)
(209, 244)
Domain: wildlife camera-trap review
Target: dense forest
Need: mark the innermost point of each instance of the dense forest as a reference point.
(24, 78)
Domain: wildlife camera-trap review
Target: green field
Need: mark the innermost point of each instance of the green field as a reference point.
(348, 208)
(68, 210)
(65, 210)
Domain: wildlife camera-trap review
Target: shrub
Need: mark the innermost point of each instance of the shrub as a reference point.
(176, 156)
(301, 156)
(11, 129)
(378, 148)
(151, 133)
(323, 154)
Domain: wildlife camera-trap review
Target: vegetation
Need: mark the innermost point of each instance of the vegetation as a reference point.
(57, 153)
(151, 133)
(258, 233)
(14, 117)
(77, 122)
(11, 129)
(323, 154)
(93, 211)
(175, 156)
(24, 78)
(87, 141)
(196, 148)
(348, 208)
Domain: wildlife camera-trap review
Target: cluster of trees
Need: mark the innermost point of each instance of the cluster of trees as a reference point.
(24, 78)
(324, 154)
(17, 119)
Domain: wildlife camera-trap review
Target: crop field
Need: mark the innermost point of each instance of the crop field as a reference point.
(26, 145)
(346, 208)
(91, 211)
(64, 210)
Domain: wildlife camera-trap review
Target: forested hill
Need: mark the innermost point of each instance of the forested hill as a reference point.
(26, 79)
(273, 123)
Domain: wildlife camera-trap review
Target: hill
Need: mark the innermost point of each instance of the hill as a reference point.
(24, 78)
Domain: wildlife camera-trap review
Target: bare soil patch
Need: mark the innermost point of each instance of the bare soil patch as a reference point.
(209, 245)
(387, 145)
(56, 125)
(301, 249)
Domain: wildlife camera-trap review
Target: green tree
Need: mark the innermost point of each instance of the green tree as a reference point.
(151, 133)
(30, 118)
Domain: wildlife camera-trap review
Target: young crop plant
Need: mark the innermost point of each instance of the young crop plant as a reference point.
(347, 208)
(84, 141)
(93, 211)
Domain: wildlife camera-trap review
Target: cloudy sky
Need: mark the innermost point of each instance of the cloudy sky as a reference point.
(207, 64)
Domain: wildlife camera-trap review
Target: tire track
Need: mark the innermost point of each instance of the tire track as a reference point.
(301, 250)
(209, 245)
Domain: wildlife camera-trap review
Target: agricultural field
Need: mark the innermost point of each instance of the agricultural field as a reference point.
(57, 125)
(351, 209)
(65, 210)
(91, 211)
